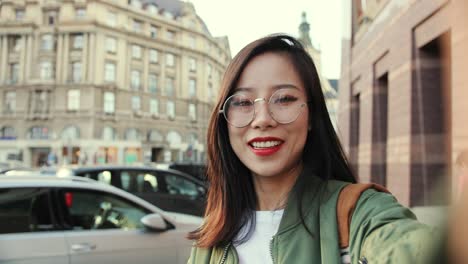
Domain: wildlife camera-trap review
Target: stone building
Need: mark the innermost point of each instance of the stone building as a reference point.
(403, 93)
(106, 81)
(330, 92)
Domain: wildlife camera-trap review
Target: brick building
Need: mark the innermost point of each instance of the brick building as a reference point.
(101, 81)
(403, 91)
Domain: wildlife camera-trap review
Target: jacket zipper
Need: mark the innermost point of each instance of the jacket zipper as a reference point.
(271, 251)
(225, 251)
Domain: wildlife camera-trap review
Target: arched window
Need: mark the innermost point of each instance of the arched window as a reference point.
(173, 138)
(132, 134)
(7, 132)
(154, 136)
(38, 132)
(70, 132)
(109, 133)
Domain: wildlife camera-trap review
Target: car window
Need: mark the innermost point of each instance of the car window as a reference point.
(25, 210)
(98, 210)
(179, 185)
(139, 181)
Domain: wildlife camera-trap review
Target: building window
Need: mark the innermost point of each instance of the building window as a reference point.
(169, 86)
(109, 102)
(19, 14)
(153, 31)
(80, 13)
(192, 87)
(132, 134)
(192, 112)
(137, 26)
(77, 41)
(10, 102)
(111, 19)
(168, 15)
(136, 80)
(170, 35)
(70, 132)
(50, 18)
(153, 56)
(170, 60)
(76, 72)
(152, 83)
(192, 42)
(47, 70)
(111, 44)
(192, 64)
(73, 102)
(108, 133)
(154, 107)
(170, 109)
(47, 42)
(136, 51)
(136, 103)
(14, 43)
(38, 132)
(109, 72)
(7, 133)
(209, 70)
(14, 73)
(39, 102)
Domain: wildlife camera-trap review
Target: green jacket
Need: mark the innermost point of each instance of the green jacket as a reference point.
(382, 231)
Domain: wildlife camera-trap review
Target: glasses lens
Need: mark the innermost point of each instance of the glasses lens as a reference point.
(286, 105)
(239, 110)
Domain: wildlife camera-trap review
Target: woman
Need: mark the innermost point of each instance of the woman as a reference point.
(276, 167)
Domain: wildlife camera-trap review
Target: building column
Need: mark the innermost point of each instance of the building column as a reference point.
(3, 58)
(84, 58)
(59, 59)
(91, 61)
(65, 55)
(23, 66)
(29, 55)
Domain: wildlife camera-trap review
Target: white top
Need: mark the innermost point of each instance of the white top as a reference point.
(257, 248)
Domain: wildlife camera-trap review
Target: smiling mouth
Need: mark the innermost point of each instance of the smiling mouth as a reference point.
(265, 144)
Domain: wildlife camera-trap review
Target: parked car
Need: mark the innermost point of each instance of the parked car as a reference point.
(52, 220)
(193, 168)
(168, 189)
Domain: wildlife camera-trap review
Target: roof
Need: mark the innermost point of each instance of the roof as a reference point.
(173, 6)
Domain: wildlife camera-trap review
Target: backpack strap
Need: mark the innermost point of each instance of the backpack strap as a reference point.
(347, 200)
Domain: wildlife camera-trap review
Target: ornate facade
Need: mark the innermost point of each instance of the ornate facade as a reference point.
(106, 81)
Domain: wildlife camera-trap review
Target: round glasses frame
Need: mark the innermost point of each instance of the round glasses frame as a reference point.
(222, 111)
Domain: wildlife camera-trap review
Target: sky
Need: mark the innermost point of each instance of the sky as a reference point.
(246, 20)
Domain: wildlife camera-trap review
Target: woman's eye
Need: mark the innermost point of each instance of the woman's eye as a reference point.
(241, 103)
(285, 99)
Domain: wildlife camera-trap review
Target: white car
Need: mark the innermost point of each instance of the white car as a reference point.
(45, 219)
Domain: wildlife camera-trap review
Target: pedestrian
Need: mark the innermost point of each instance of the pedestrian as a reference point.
(276, 169)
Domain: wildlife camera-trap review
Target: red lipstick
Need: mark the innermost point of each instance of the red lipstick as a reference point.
(261, 148)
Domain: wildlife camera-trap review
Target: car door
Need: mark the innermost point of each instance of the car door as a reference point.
(185, 194)
(106, 228)
(29, 229)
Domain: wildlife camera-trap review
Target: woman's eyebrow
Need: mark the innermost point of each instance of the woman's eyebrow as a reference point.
(275, 87)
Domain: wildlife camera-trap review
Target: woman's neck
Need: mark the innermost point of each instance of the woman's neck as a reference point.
(272, 192)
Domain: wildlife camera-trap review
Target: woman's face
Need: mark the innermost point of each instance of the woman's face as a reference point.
(268, 147)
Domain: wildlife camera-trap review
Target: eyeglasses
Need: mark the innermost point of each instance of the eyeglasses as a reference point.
(284, 106)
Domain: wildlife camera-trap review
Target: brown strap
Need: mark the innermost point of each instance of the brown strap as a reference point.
(347, 200)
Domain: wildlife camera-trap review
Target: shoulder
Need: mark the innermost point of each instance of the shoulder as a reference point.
(200, 255)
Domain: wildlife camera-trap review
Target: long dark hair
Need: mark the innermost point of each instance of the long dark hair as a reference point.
(231, 195)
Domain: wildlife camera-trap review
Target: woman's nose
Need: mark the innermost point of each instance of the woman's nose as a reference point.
(262, 117)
